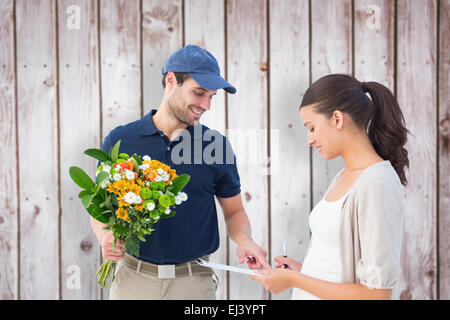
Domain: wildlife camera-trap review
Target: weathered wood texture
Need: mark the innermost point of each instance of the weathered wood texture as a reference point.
(416, 93)
(72, 70)
(444, 150)
(248, 124)
(9, 227)
(79, 112)
(37, 125)
(289, 152)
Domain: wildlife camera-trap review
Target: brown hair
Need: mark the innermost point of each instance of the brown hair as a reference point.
(380, 115)
(180, 76)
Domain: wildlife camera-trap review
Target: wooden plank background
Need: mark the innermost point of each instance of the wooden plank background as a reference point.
(72, 70)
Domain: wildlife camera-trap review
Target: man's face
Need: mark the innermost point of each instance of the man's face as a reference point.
(189, 101)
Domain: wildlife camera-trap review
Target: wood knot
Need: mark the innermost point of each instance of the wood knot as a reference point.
(36, 210)
(444, 127)
(86, 245)
(263, 66)
(248, 196)
(2, 220)
(49, 82)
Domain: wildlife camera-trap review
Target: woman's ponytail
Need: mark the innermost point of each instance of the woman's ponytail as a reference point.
(386, 129)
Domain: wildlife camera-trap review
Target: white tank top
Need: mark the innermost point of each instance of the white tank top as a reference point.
(323, 260)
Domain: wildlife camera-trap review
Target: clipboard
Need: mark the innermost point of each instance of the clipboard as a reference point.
(226, 267)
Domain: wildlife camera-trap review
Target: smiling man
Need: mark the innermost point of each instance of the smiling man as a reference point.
(165, 267)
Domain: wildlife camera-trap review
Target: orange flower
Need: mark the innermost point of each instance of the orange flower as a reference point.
(139, 207)
(135, 189)
(126, 165)
(123, 214)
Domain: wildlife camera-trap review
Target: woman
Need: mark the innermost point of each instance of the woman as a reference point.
(354, 252)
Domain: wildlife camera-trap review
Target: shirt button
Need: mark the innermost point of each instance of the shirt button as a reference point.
(168, 148)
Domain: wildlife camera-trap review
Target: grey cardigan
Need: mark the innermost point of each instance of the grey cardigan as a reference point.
(371, 228)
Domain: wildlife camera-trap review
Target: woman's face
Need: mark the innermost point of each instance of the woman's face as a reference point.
(323, 132)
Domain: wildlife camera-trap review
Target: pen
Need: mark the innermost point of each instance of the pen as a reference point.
(285, 266)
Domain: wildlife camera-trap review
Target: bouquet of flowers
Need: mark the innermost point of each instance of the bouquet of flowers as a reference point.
(129, 194)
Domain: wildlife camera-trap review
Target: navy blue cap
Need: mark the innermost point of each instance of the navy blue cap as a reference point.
(201, 66)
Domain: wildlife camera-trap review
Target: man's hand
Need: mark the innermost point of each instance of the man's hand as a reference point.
(107, 249)
(255, 256)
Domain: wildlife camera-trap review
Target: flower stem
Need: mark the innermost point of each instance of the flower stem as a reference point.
(105, 272)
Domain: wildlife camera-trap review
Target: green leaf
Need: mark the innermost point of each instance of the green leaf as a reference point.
(102, 176)
(115, 151)
(81, 178)
(137, 158)
(97, 213)
(165, 216)
(132, 246)
(109, 203)
(87, 200)
(135, 165)
(179, 183)
(120, 230)
(98, 154)
(84, 193)
(141, 237)
(124, 156)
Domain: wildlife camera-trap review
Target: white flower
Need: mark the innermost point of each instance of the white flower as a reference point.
(106, 168)
(132, 198)
(104, 183)
(165, 177)
(180, 197)
(138, 200)
(150, 206)
(146, 158)
(157, 178)
(129, 197)
(129, 174)
(160, 171)
(167, 211)
(183, 196)
(144, 166)
(117, 177)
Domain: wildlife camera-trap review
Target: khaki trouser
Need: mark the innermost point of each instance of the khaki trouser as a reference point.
(135, 283)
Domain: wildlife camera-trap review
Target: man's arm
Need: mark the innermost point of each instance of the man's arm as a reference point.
(240, 231)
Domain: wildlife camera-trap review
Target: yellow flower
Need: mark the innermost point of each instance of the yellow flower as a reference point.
(123, 214)
(139, 207)
(135, 189)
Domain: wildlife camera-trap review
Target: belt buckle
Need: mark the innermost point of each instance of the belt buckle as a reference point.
(166, 271)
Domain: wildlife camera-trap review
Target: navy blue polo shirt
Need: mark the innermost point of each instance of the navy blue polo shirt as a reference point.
(208, 158)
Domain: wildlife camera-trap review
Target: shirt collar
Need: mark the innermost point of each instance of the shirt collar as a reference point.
(146, 126)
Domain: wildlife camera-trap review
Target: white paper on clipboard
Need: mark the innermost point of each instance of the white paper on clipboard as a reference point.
(226, 267)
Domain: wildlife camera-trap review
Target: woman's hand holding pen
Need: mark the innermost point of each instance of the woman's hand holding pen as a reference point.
(279, 279)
